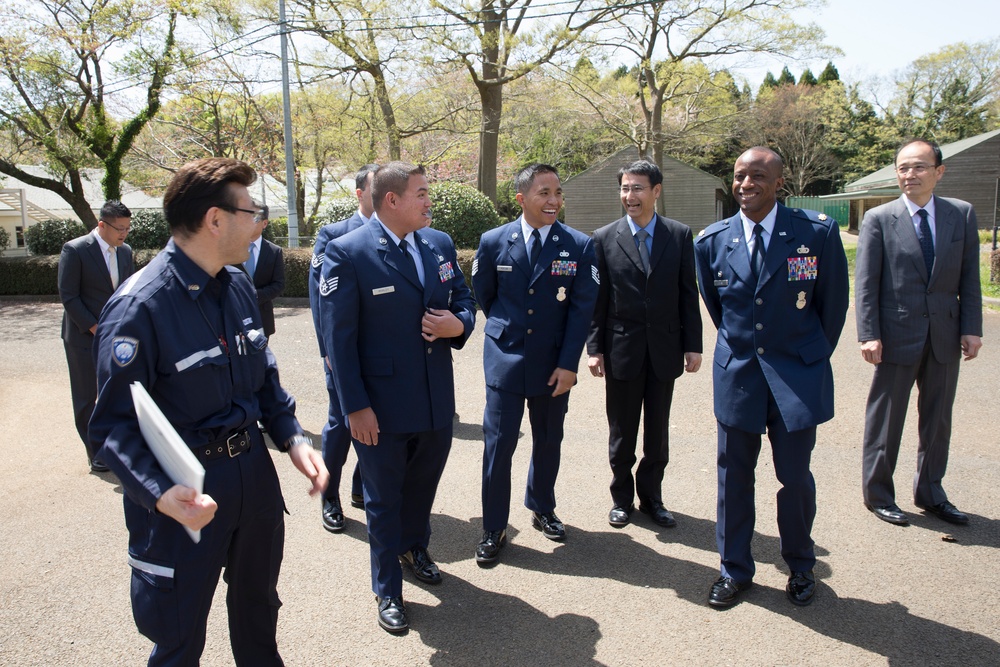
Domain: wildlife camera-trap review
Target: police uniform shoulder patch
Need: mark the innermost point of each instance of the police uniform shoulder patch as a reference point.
(124, 349)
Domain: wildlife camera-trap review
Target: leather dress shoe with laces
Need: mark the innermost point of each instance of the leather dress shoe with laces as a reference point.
(550, 525)
(659, 514)
(726, 592)
(97, 466)
(488, 550)
(890, 513)
(333, 516)
(620, 516)
(946, 511)
(420, 563)
(392, 614)
(358, 501)
(801, 588)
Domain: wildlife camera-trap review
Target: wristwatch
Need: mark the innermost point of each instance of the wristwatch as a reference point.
(297, 439)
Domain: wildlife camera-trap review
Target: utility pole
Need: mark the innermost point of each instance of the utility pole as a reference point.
(293, 214)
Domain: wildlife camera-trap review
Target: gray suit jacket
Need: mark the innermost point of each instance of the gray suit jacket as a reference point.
(898, 303)
(85, 286)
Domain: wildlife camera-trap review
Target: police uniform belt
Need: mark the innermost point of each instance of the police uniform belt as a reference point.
(230, 447)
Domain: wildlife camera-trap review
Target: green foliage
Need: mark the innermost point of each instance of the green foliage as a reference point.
(338, 209)
(462, 212)
(4, 239)
(297, 272)
(277, 228)
(149, 230)
(768, 83)
(808, 78)
(786, 78)
(829, 73)
(32, 276)
(48, 237)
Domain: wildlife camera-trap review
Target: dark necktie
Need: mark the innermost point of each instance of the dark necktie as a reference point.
(404, 246)
(926, 241)
(536, 247)
(640, 237)
(757, 259)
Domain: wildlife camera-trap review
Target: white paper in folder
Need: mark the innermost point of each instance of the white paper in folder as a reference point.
(174, 456)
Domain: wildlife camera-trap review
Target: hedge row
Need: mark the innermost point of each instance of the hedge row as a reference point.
(36, 276)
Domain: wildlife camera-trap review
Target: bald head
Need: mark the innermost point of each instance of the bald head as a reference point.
(756, 181)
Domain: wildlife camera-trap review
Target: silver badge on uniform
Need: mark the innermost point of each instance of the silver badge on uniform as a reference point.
(564, 253)
(382, 241)
(802, 250)
(801, 302)
(561, 296)
(124, 350)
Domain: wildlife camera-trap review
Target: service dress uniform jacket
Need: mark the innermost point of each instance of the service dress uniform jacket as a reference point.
(371, 305)
(771, 370)
(920, 319)
(642, 326)
(84, 287)
(269, 281)
(537, 320)
(196, 343)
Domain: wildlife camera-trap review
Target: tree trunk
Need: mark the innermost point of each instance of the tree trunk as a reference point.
(388, 113)
(491, 98)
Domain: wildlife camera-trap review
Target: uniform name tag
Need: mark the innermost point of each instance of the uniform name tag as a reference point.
(383, 290)
(563, 268)
(446, 272)
(721, 283)
(505, 268)
(802, 268)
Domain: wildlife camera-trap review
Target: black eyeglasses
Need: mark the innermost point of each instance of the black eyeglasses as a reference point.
(120, 230)
(258, 214)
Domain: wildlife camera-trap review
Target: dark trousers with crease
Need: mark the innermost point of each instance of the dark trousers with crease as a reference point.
(336, 439)
(82, 389)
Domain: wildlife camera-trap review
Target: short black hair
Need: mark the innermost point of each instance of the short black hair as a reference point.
(200, 185)
(526, 176)
(393, 177)
(114, 209)
(265, 211)
(642, 168)
(938, 158)
(361, 179)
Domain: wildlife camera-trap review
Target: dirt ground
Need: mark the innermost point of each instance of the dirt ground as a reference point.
(921, 595)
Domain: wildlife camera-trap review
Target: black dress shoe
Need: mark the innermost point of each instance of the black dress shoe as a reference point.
(948, 512)
(392, 614)
(333, 516)
(726, 592)
(358, 501)
(420, 563)
(801, 588)
(550, 525)
(620, 516)
(890, 513)
(659, 514)
(97, 466)
(488, 550)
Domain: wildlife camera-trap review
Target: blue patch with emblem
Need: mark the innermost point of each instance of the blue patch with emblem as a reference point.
(124, 350)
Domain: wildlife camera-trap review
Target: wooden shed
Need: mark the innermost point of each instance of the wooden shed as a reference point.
(690, 195)
(972, 173)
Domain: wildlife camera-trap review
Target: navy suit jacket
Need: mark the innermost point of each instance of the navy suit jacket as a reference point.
(269, 281)
(537, 319)
(326, 234)
(775, 334)
(85, 286)
(371, 306)
(636, 314)
(898, 303)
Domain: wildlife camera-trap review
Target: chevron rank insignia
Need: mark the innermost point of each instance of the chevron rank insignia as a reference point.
(328, 286)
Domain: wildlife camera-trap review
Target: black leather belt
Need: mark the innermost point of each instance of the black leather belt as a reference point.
(230, 447)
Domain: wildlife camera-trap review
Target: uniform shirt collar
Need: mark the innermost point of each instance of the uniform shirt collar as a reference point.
(767, 223)
(410, 238)
(650, 226)
(100, 240)
(527, 229)
(193, 278)
(365, 218)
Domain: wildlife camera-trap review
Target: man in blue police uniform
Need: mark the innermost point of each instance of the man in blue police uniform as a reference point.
(394, 304)
(336, 433)
(774, 281)
(188, 329)
(536, 280)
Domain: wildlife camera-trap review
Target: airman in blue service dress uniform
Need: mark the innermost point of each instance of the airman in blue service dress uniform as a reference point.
(336, 433)
(394, 304)
(539, 314)
(779, 316)
(188, 329)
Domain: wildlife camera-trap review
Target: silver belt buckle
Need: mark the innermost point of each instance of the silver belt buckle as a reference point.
(230, 444)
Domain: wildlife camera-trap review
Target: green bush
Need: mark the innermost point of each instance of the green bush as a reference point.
(48, 237)
(149, 230)
(29, 275)
(462, 212)
(4, 239)
(338, 209)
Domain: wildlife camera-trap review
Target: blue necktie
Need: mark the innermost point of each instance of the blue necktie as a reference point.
(640, 237)
(757, 260)
(926, 241)
(251, 262)
(536, 247)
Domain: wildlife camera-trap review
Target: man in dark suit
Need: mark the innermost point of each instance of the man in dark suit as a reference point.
(266, 267)
(394, 304)
(919, 310)
(646, 330)
(536, 281)
(775, 283)
(90, 269)
(336, 432)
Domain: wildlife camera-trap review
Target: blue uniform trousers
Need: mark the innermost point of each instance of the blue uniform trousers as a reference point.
(501, 426)
(336, 439)
(174, 579)
(796, 500)
(401, 475)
